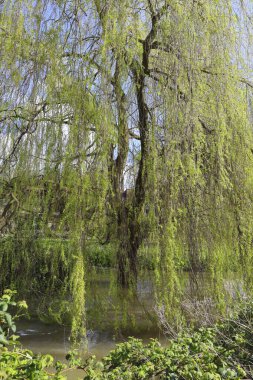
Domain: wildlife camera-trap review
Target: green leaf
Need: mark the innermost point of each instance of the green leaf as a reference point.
(3, 339)
(8, 319)
(3, 306)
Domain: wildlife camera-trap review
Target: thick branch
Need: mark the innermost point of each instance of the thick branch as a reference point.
(239, 79)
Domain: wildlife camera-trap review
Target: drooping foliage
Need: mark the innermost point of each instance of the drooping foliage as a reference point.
(125, 122)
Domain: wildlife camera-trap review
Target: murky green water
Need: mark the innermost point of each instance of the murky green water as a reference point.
(113, 315)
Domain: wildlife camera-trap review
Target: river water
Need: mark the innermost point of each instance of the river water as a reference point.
(112, 316)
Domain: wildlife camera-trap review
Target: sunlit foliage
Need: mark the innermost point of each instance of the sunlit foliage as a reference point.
(125, 122)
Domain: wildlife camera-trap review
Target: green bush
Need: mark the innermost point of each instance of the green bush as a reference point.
(17, 363)
(101, 255)
(197, 357)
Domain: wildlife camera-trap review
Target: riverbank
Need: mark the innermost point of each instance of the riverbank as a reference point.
(222, 351)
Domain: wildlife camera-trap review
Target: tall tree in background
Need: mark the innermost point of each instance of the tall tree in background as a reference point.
(123, 121)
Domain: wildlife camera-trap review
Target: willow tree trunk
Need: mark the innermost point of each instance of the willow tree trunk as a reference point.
(128, 213)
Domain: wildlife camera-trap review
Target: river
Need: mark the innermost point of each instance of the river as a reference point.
(112, 316)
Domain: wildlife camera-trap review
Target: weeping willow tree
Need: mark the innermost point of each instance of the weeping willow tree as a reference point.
(127, 122)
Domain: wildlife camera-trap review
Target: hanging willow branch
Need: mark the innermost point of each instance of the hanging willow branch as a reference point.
(123, 122)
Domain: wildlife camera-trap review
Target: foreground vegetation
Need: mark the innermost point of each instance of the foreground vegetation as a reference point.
(223, 351)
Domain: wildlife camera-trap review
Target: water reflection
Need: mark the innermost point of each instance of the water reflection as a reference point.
(113, 314)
